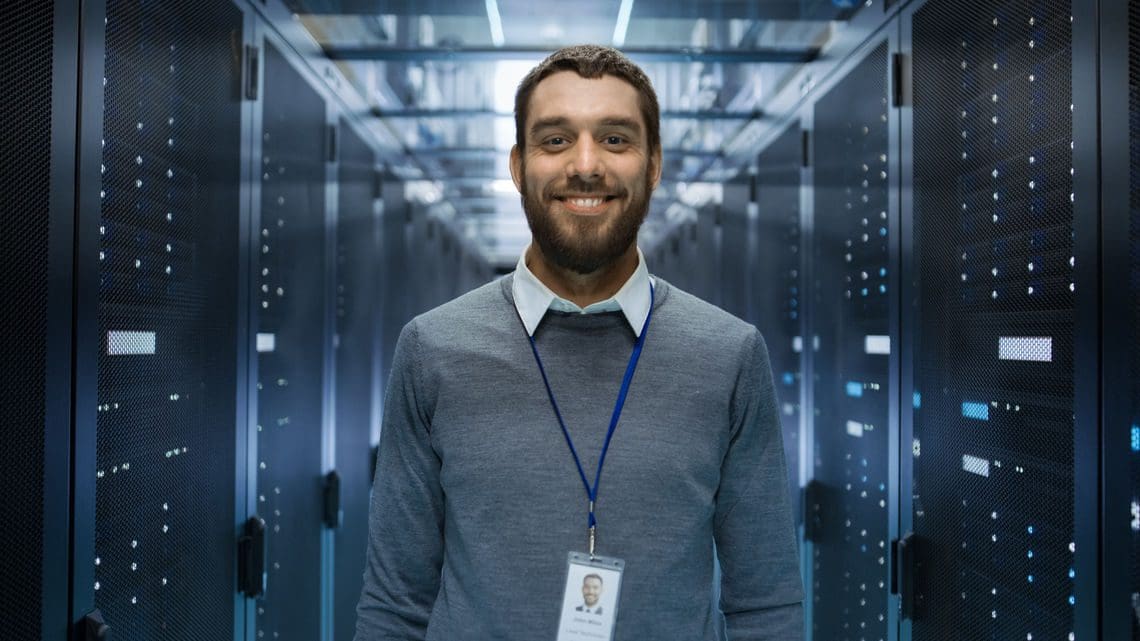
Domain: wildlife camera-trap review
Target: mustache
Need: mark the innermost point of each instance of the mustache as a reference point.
(577, 186)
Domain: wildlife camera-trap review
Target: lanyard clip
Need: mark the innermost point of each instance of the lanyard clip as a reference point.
(593, 535)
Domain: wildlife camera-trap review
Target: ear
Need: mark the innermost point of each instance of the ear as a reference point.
(516, 167)
(655, 167)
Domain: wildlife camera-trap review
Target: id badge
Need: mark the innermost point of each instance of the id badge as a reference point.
(590, 600)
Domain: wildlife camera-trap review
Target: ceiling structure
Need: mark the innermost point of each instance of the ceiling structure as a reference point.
(439, 77)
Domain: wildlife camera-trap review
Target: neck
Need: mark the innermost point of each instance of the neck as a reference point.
(582, 289)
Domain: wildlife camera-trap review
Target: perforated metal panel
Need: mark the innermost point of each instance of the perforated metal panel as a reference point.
(26, 41)
(778, 285)
(167, 384)
(993, 404)
(290, 299)
(357, 328)
(851, 302)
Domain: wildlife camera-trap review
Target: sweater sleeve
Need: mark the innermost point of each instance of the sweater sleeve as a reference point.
(761, 588)
(405, 522)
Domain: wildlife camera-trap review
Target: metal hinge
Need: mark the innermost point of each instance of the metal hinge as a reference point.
(95, 628)
(900, 81)
(332, 500)
(251, 558)
(252, 70)
(904, 580)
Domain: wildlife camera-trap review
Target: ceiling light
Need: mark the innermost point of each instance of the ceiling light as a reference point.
(496, 23)
(622, 22)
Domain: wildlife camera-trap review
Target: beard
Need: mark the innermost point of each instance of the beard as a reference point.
(584, 244)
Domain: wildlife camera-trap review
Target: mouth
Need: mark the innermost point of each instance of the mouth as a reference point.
(586, 204)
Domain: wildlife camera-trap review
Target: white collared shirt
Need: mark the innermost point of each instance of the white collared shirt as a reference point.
(533, 298)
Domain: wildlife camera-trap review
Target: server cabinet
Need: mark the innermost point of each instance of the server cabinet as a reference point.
(778, 285)
(850, 251)
(290, 302)
(167, 214)
(38, 76)
(702, 254)
(1120, 265)
(394, 310)
(358, 270)
(736, 250)
(994, 294)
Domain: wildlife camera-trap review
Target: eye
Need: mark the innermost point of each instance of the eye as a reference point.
(615, 140)
(555, 141)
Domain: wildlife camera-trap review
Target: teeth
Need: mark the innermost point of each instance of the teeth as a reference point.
(586, 202)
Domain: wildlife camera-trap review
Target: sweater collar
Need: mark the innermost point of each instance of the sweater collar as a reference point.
(533, 298)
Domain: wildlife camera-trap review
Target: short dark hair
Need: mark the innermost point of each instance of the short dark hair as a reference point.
(591, 576)
(592, 61)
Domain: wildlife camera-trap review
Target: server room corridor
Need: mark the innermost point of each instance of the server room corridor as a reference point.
(220, 214)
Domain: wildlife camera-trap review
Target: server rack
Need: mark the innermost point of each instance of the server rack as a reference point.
(1120, 267)
(848, 511)
(778, 285)
(736, 255)
(38, 76)
(156, 366)
(1001, 436)
(293, 336)
(358, 270)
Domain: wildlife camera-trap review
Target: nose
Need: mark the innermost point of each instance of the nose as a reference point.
(586, 161)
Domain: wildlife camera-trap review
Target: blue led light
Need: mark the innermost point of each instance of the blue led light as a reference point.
(864, 291)
(1030, 578)
(1136, 438)
(882, 231)
(882, 487)
(1072, 573)
(978, 411)
(855, 389)
(1030, 554)
(788, 378)
(1029, 529)
(1072, 600)
(917, 400)
(882, 289)
(882, 271)
(864, 478)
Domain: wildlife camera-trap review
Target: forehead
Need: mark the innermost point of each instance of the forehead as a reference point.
(569, 96)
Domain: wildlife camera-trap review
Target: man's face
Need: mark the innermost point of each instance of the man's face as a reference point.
(587, 172)
(591, 591)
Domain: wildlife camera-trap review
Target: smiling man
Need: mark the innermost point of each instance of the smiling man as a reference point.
(580, 411)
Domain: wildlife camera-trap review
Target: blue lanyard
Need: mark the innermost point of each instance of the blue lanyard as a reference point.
(592, 492)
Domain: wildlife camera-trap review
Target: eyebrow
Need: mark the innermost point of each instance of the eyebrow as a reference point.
(559, 121)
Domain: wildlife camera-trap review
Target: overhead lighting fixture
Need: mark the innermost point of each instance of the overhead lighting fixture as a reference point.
(496, 23)
(622, 22)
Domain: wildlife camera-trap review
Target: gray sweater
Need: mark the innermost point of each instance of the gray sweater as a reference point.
(477, 500)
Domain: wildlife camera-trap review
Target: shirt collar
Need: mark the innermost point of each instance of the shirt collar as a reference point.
(533, 298)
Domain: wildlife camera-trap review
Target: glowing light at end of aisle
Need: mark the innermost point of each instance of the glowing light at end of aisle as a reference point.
(622, 23)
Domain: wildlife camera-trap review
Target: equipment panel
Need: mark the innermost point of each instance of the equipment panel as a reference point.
(851, 347)
(358, 274)
(290, 302)
(993, 408)
(779, 285)
(168, 265)
(26, 127)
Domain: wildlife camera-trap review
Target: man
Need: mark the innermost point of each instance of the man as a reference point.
(503, 404)
(591, 592)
